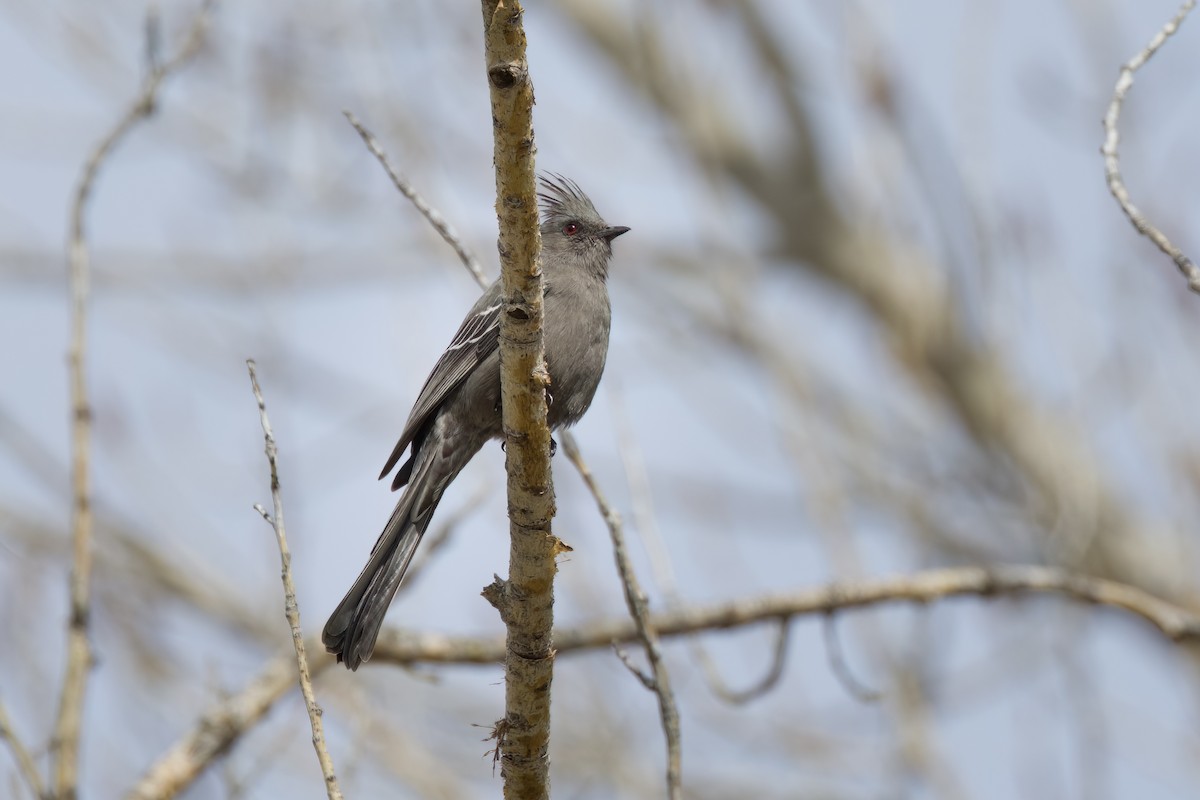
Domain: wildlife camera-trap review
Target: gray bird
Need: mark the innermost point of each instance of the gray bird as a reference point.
(458, 409)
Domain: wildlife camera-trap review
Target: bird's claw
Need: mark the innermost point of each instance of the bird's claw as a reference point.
(553, 446)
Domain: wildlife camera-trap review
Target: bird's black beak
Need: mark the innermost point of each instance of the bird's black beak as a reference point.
(612, 232)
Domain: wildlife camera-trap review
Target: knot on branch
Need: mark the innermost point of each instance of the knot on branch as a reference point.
(515, 200)
(988, 584)
(508, 75)
(80, 617)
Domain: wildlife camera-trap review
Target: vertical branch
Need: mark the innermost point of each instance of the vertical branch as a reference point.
(79, 654)
(291, 608)
(526, 600)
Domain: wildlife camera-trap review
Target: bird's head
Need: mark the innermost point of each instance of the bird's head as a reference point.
(572, 226)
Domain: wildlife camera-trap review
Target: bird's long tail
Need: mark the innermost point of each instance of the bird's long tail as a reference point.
(354, 625)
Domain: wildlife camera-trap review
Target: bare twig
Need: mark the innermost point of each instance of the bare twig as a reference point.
(79, 654)
(430, 213)
(660, 684)
(1112, 136)
(291, 608)
(645, 679)
(21, 755)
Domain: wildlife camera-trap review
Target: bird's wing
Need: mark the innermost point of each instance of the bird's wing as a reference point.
(477, 338)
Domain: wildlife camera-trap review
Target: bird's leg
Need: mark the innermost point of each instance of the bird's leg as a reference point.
(553, 443)
(553, 446)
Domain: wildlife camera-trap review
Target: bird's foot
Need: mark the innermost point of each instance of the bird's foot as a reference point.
(553, 446)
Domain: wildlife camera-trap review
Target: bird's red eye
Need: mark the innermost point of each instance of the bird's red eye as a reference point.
(571, 228)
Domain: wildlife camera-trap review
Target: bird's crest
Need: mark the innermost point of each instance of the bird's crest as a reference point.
(562, 199)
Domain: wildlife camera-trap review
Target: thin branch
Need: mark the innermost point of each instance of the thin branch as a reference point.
(1112, 164)
(79, 653)
(430, 213)
(291, 608)
(21, 755)
(1174, 622)
(643, 678)
(647, 634)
